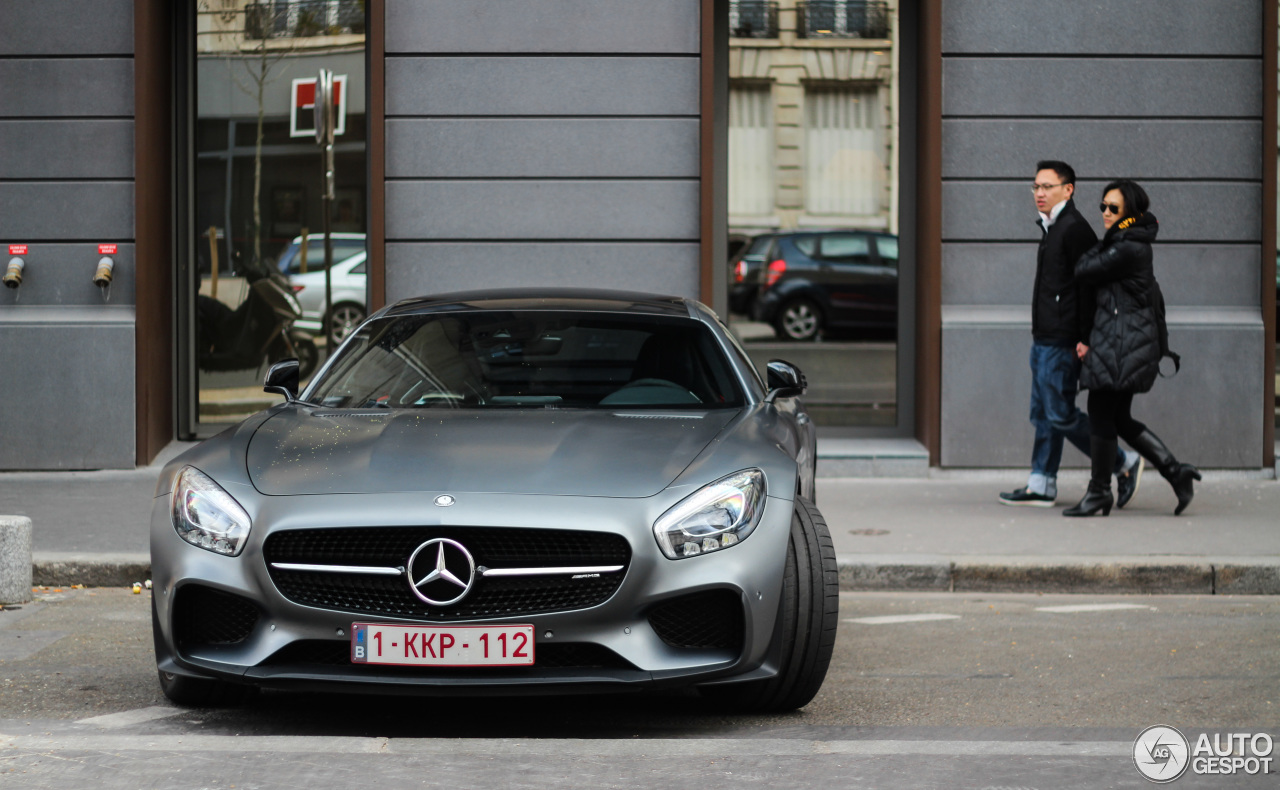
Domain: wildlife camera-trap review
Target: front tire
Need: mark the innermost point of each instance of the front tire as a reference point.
(189, 692)
(798, 319)
(806, 628)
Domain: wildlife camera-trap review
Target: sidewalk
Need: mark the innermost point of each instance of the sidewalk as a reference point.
(942, 532)
(949, 532)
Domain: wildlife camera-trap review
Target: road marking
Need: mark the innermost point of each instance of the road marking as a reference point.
(901, 618)
(131, 717)
(534, 747)
(1092, 607)
(21, 645)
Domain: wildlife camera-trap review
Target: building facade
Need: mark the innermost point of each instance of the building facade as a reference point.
(590, 142)
(813, 115)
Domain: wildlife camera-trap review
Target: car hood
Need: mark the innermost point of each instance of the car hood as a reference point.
(306, 450)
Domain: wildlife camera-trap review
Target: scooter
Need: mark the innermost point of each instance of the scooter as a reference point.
(259, 330)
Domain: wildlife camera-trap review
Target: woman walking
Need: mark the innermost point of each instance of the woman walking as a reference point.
(1125, 348)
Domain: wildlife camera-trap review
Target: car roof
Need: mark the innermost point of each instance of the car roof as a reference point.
(576, 299)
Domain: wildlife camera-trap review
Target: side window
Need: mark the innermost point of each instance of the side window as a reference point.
(846, 248)
(315, 254)
(887, 246)
(360, 269)
(807, 245)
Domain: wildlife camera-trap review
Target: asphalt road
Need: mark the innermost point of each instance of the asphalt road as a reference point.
(953, 690)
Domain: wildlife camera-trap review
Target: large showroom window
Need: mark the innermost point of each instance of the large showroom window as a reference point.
(815, 135)
(252, 281)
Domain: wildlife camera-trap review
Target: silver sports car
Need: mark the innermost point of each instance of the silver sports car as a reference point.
(548, 491)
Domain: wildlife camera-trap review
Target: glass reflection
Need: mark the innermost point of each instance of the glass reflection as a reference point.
(813, 176)
(258, 294)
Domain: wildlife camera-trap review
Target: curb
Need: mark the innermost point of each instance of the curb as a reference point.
(62, 569)
(879, 573)
(1151, 575)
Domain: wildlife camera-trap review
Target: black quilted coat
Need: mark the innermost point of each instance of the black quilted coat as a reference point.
(1124, 339)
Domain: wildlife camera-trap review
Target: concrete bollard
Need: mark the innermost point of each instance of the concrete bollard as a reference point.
(15, 559)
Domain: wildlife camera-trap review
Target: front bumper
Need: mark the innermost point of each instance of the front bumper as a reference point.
(291, 645)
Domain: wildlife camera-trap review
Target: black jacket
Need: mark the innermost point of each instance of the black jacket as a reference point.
(1058, 314)
(1124, 339)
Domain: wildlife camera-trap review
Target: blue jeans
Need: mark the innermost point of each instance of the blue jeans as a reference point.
(1055, 376)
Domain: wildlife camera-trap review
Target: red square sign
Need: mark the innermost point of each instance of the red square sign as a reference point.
(302, 122)
(106, 249)
(17, 249)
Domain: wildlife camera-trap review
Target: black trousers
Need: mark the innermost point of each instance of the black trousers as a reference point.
(1109, 416)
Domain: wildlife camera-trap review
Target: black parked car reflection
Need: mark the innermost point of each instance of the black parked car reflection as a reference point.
(817, 281)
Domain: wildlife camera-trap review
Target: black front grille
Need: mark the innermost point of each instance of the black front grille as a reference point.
(204, 616)
(333, 653)
(391, 547)
(705, 620)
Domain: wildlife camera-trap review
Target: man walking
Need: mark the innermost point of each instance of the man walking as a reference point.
(1058, 313)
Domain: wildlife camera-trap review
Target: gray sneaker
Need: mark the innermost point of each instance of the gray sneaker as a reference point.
(1026, 498)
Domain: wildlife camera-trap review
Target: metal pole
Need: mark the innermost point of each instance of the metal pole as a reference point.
(327, 207)
(325, 122)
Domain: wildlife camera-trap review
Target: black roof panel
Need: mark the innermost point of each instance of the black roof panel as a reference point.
(595, 300)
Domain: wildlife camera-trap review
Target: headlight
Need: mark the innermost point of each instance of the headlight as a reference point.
(714, 517)
(206, 516)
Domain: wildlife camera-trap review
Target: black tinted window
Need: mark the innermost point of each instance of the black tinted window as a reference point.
(758, 245)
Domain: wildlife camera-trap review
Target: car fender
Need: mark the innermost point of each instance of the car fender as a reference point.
(760, 427)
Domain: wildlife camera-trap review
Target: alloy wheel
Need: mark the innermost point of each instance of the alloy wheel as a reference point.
(343, 321)
(800, 320)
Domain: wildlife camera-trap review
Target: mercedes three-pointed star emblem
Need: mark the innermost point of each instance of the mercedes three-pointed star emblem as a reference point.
(447, 571)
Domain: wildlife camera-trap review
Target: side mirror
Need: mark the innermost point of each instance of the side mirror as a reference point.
(282, 378)
(785, 380)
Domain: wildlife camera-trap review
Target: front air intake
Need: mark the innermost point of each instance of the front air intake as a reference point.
(710, 620)
(205, 616)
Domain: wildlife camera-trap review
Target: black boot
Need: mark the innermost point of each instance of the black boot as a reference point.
(1180, 476)
(1102, 456)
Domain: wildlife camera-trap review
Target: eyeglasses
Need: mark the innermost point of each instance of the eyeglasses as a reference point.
(1105, 207)
(1043, 187)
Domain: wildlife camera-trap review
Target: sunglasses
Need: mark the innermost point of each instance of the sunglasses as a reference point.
(1105, 207)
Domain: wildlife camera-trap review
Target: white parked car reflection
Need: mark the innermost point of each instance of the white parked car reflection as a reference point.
(348, 300)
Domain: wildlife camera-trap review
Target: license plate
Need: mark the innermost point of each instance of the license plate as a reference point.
(442, 645)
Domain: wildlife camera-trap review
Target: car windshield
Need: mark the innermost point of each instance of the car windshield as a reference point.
(524, 359)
